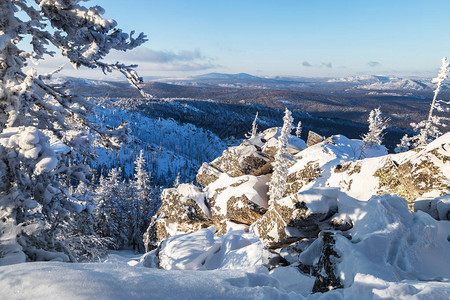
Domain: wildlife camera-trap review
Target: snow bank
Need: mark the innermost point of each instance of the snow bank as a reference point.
(121, 281)
(202, 250)
(56, 280)
(390, 243)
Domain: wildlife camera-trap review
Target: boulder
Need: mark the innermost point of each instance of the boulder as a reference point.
(296, 217)
(207, 174)
(313, 138)
(296, 180)
(426, 171)
(239, 199)
(240, 160)
(271, 135)
(183, 209)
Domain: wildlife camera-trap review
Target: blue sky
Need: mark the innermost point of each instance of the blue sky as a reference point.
(296, 38)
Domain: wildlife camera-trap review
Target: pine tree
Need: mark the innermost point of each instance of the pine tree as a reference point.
(34, 198)
(111, 212)
(176, 183)
(429, 128)
(79, 232)
(298, 130)
(277, 184)
(405, 144)
(377, 124)
(252, 134)
(142, 202)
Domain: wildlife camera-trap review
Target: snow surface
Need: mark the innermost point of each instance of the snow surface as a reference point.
(393, 254)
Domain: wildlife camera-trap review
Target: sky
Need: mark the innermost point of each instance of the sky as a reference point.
(314, 38)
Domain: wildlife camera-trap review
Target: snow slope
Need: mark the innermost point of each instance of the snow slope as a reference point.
(55, 280)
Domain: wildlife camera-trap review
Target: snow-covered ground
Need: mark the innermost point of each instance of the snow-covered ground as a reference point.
(118, 280)
(392, 254)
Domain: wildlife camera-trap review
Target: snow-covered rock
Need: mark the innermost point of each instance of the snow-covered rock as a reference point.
(336, 226)
(240, 160)
(313, 138)
(235, 189)
(183, 209)
(296, 217)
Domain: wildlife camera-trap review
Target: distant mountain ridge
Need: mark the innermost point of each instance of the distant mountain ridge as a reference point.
(245, 80)
(363, 82)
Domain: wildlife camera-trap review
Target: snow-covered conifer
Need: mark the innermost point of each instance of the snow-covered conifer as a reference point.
(33, 194)
(109, 210)
(176, 183)
(254, 130)
(377, 124)
(405, 143)
(277, 184)
(298, 130)
(429, 129)
(141, 203)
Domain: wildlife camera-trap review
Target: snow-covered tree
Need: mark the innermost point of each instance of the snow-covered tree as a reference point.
(405, 144)
(277, 184)
(108, 208)
(377, 124)
(298, 130)
(254, 130)
(176, 183)
(142, 204)
(33, 196)
(429, 128)
(79, 232)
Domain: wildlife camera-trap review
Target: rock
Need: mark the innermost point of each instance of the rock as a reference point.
(296, 217)
(326, 279)
(207, 174)
(264, 170)
(183, 209)
(313, 138)
(155, 233)
(438, 208)
(423, 172)
(340, 224)
(271, 135)
(240, 160)
(295, 181)
(242, 210)
(240, 199)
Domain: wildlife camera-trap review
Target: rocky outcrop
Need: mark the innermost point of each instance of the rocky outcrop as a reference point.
(183, 209)
(313, 138)
(240, 160)
(296, 217)
(234, 190)
(207, 174)
(416, 175)
(304, 229)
